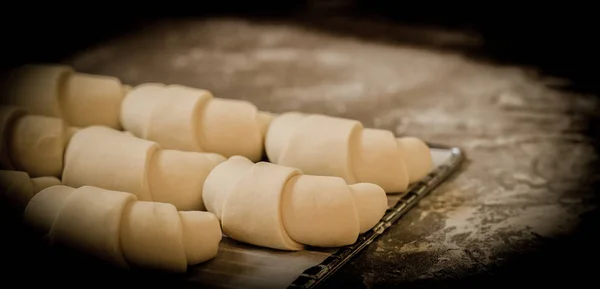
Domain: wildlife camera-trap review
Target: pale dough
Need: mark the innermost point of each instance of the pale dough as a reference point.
(110, 159)
(332, 146)
(191, 119)
(37, 145)
(17, 188)
(275, 206)
(417, 157)
(59, 91)
(33, 143)
(8, 115)
(116, 227)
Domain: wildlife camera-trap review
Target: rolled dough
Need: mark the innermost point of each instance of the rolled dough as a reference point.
(333, 146)
(37, 145)
(59, 91)
(17, 188)
(110, 159)
(275, 206)
(8, 116)
(116, 227)
(190, 119)
(33, 143)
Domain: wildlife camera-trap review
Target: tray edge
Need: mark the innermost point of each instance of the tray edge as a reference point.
(313, 276)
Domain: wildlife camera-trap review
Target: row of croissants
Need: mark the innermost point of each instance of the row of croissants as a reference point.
(152, 176)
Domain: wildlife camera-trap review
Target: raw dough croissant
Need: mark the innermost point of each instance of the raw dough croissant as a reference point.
(190, 119)
(332, 146)
(278, 207)
(115, 227)
(111, 159)
(34, 144)
(59, 91)
(18, 188)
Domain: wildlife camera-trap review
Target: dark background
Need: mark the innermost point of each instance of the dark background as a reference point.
(561, 40)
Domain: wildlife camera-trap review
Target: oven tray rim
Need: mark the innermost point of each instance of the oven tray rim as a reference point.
(315, 275)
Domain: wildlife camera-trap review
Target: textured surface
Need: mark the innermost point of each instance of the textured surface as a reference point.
(528, 177)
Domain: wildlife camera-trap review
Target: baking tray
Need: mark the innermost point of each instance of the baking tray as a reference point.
(245, 266)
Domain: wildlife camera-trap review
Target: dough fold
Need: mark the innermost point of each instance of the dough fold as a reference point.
(190, 119)
(32, 143)
(17, 188)
(275, 206)
(333, 146)
(8, 115)
(59, 91)
(110, 159)
(117, 228)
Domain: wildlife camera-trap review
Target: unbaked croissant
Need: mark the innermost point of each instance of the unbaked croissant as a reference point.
(117, 228)
(278, 207)
(59, 91)
(17, 188)
(111, 159)
(190, 119)
(34, 144)
(332, 146)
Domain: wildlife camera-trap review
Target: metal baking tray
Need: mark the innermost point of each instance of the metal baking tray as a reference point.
(244, 266)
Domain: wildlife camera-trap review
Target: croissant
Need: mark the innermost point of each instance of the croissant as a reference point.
(190, 119)
(278, 207)
(34, 144)
(59, 91)
(111, 159)
(119, 229)
(17, 188)
(332, 146)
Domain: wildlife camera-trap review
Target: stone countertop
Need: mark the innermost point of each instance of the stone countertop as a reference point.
(517, 202)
